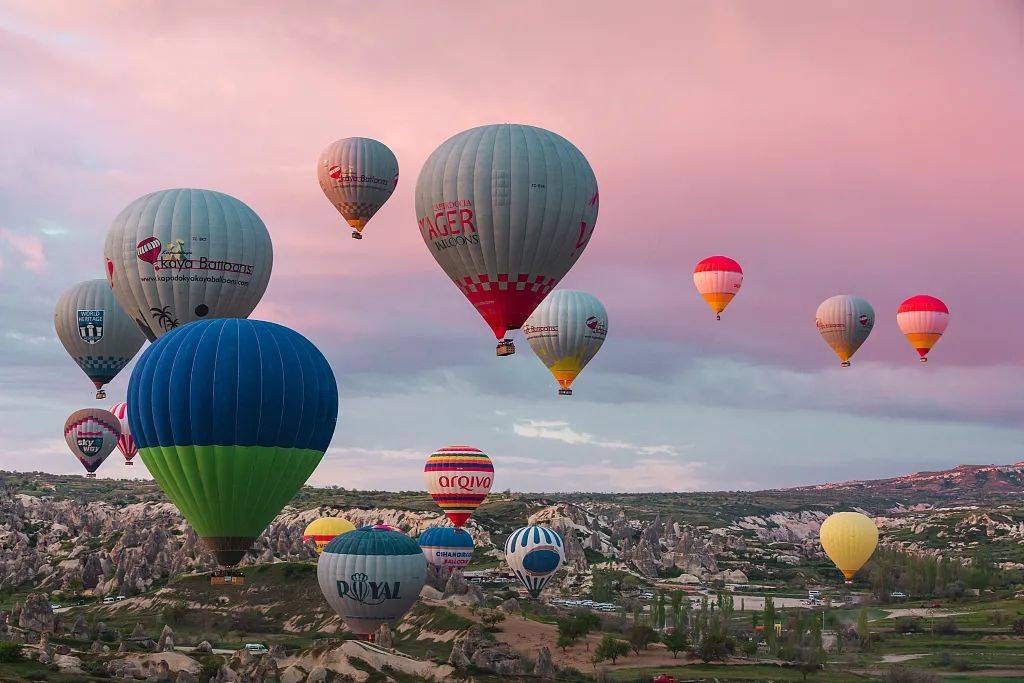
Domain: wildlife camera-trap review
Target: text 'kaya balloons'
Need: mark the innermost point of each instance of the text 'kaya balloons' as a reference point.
(358, 175)
(566, 332)
(125, 442)
(176, 256)
(922, 319)
(446, 546)
(844, 322)
(97, 334)
(91, 434)
(371, 576)
(718, 280)
(534, 553)
(324, 530)
(231, 416)
(458, 479)
(849, 539)
(506, 210)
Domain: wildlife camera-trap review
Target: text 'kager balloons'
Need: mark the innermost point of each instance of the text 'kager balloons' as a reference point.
(97, 334)
(849, 539)
(534, 553)
(231, 416)
(506, 210)
(91, 434)
(718, 280)
(922, 319)
(371, 576)
(358, 175)
(324, 530)
(566, 332)
(176, 256)
(446, 546)
(458, 479)
(125, 443)
(844, 322)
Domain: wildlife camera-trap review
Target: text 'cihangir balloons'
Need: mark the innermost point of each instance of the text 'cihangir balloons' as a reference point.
(506, 210)
(358, 175)
(91, 434)
(371, 576)
(922, 319)
(125, 442)
(446, 546)
(534, 554)
(844, 322)
(458, 479)
(231, 416)
(324, 530)
(718, 280)
(176, 256)
(849, 539)
(566, 332)
(97, 334)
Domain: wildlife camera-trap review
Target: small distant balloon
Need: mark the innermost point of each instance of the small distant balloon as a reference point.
(718, 280)
(922, 319)
(446, 546)
(125, 443)
(845, 322)
(566, 332)
(91, 434)
(324, 530)
(534, 554)
(358, 176)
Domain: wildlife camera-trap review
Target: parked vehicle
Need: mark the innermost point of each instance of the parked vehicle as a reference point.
(256, 648)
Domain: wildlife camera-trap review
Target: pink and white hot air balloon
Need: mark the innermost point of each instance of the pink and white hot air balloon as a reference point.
(718, 279)
(922, 320)
(125, 442)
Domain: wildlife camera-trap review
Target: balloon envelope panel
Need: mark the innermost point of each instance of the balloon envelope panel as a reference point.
(922, 319)
(458, 478)
(324, 530)
(718, 280)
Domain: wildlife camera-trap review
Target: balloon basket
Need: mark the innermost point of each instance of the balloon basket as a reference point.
(356, 235)
(90, 475)
(565, 392)
(129, 463)
(923, 359)
(845, 364)
(100, 394)
(718, 317)
(505, 348)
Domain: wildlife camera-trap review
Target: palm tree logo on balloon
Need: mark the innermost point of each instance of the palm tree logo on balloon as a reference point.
(164, 318)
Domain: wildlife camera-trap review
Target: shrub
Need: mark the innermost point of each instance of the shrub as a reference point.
(945, 627)
(9, 652)
(908, 625)
(902, 674)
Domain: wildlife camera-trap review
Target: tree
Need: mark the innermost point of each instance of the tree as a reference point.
(585, 623)
(863, 632)
(676, 641)
(714, 645)
(491, 617)
(568, 632)
(768, 619)
(640, 636)
(676, 598)
(610, 648)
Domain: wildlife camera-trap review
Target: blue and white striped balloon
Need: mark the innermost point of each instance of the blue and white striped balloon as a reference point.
(534, 553)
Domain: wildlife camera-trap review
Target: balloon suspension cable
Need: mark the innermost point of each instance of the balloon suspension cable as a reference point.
(845, 364)
(565, 392)
(100, 394)
(506, 347)
(356, 235)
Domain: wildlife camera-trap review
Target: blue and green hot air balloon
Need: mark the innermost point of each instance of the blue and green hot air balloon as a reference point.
(231, 416)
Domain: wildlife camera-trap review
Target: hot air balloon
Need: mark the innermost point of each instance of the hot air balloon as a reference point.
(849, 539)
(231, 416)
(844, 322)
(922, 320)
(371, 576)
(324, 530)
(91, 434)
(718, 279)
(125, 442)
(358, 175)
(97, 334)
(534, 553)
(446, 546)
(565, 332)
(458, 479)
(176, 256)
(506, 210)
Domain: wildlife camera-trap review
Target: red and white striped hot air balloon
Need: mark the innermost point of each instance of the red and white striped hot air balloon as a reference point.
(125, 442)
(718, 279)
(922, 320)
(458, 479)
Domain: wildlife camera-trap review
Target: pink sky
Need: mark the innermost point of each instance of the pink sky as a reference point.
(870, 148)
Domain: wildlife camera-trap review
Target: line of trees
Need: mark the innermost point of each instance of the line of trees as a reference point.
(925, 576)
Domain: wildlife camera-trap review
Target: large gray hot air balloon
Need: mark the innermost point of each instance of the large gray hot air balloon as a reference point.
(176, 256)
(358, 175)
(91, 434)
(97, 334)
(506, 210)
(845, 322)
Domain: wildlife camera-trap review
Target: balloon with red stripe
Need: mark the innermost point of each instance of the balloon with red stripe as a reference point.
(458, 479)
(125, 442)
(718, 279)
(922, 319)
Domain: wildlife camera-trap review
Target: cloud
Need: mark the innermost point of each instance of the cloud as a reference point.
(555, 430)
(28, 247)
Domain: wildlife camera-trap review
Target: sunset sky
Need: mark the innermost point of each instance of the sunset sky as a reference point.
(871, 148)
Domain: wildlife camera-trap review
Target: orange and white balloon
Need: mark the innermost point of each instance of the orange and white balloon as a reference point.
(718, 279)
(845, 322)
(922, 320)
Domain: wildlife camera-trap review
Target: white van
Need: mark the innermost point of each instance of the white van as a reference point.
(256, 648)
(109, 600)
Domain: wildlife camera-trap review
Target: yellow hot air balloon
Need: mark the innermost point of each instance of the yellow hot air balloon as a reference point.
(324, 530)
(849, 539)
